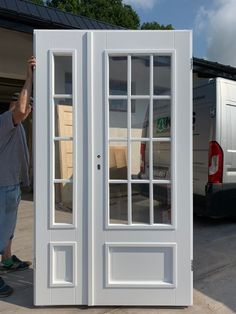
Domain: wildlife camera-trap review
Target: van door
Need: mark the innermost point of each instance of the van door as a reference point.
(229, 141)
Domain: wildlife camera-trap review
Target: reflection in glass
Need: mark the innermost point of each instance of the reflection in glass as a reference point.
(63, 74)
(118, 118)
(63, 202)
(162, 203)
(140, 204)
(118, 75)
(161, 160)
(63, 159)
(139, 160)
(162, 75)
(139, 118)
(140, 75)
(118, 160)
(118, 204)
(63, 118)
(161, 118)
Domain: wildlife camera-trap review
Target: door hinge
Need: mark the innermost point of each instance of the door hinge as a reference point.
(191, 64)
(191, 265)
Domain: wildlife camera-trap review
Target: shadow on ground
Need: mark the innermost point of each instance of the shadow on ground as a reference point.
(215, 260)
(22, 283)
(214, 270)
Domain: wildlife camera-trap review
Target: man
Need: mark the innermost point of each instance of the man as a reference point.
(14, 159)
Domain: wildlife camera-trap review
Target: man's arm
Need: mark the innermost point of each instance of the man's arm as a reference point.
(23, 108)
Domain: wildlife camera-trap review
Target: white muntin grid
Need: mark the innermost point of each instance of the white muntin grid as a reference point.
(129, 139)
(53, 139)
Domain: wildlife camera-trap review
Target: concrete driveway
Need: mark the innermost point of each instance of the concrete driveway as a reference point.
(214, 271)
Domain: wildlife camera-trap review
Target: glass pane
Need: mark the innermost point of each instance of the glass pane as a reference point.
(63, 117)
(118, 204)
(162, 203)
(139, 160)
(118, 75)
(118, 118)
(161, 160)
(139, 118)
(63, 202)
(63, 159)
(144, 167)
(140, 75)
(161, 118)
(63, 74)
(140, 204)
(118, 160)
(162, 75)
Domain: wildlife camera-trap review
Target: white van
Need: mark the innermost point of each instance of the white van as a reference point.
(214, 148)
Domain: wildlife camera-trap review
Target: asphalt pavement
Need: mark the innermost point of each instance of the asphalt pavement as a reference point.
(214, 271)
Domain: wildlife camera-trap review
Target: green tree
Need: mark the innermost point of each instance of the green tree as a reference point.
(110, 11)
(155, 25)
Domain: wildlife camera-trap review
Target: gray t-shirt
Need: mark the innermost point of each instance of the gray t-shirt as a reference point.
(14, 154)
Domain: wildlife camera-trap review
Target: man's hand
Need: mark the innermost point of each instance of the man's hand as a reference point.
(30, 67)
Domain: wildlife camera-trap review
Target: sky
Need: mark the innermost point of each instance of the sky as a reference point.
(213, 23)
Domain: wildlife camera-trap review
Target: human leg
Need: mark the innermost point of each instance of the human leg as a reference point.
(9, 201)
(7, 251)
(5, 234)
(11, 196)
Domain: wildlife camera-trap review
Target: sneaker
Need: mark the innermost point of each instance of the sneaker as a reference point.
(5, 290)
(14, 263)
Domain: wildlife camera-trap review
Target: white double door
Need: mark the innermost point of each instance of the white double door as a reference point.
(113, 168)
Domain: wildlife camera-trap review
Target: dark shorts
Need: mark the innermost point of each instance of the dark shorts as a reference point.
(9, 201)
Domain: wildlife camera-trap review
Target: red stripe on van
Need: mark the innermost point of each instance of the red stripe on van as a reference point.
(215, 163)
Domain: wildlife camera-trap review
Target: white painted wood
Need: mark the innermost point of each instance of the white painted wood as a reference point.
(179, 233)
(60, 43)
(63, 264)
(100, 255)
(141, 269)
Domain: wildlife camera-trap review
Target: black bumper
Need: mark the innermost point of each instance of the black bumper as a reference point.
(220, 201)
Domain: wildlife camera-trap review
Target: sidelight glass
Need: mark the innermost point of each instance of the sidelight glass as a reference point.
(139, 160)
(140, 75)
(63, 74)
(118, 203)
(161, 118)
(63, 117)
(162, 203)
(118, 117)
(63, 202)
(63, 159)
(161, 160)
(118, 75)
(139, 118)
(118, 160)
(140, 204)
(162, 75)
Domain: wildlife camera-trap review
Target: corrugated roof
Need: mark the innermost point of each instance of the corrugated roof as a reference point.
(206, 68)
(28, 12)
